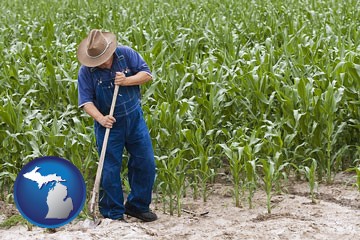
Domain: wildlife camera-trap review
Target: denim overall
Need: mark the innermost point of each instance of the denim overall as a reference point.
(129, 131)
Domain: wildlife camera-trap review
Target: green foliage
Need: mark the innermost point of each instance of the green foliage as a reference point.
(15, 220)
(273, 80)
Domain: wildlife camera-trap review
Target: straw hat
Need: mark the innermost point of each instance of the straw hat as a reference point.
(97, 48)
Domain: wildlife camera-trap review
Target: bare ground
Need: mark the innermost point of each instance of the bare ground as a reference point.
(335, 215)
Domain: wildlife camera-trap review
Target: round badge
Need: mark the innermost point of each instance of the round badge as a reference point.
(49, 192)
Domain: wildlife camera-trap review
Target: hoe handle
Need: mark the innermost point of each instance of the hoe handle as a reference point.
(95, 192)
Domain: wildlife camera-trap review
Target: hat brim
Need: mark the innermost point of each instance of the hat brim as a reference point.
(85, 60)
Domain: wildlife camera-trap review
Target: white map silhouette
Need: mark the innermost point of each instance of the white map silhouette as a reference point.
(58, 203)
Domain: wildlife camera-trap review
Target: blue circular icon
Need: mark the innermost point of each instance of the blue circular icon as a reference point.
(49, 192)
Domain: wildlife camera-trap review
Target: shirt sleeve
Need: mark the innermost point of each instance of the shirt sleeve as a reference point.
(86, 91)
(135, 62)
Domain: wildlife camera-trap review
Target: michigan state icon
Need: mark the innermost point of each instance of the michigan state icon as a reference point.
(49, 192)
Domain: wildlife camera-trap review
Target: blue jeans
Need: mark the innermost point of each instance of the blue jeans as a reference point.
(129, 132)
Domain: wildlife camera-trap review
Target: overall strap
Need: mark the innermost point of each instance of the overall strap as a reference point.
(122, 61)
(126, 71)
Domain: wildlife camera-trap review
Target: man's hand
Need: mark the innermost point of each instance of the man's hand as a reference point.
(107, 121)
(120, 79)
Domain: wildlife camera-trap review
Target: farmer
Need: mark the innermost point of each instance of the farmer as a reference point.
(104, 64)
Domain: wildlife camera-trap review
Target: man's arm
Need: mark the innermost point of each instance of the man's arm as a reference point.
(105, 121)
(137, 79)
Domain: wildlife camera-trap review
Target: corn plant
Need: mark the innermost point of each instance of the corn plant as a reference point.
(268, 167)
(171, 176)
(234, 152)
(200, 163)
(250, 169)
(358, 177)
(310, 173)
(331, 100)
(251, 149)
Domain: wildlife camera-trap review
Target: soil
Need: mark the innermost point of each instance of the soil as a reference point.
(335, 215)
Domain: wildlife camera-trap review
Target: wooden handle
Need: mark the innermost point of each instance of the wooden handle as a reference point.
(95, 191)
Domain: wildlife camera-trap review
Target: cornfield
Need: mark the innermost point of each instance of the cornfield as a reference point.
(251, 90)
